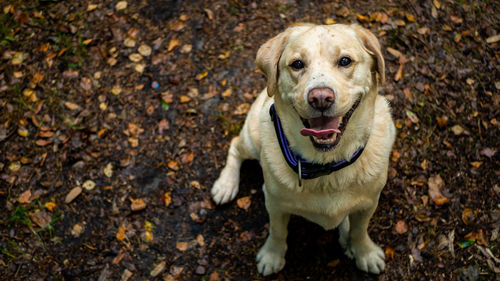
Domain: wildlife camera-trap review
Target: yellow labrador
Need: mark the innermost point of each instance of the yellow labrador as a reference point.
(322, 135)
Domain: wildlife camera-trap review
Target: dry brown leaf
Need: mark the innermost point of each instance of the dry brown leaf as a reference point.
(435, 183)
(389, 252)
(442, 121)
(401, 227)
(242, 109)
(182, 246)
(244, 202)
(41, 217)
(209, 13)
(493, 39)
(135, 57)
(476, 164)
(202, 75)
(468, 216)
(41, 142)
(200, 240)
(158, 269)
(71, 105)
(25, 197)
(163, 125)
(187, 157)
(137, 204)
(227, 93)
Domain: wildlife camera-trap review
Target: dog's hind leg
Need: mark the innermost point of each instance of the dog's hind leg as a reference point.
(226, 186)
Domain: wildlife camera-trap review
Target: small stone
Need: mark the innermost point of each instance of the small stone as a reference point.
(129, 42)
(139, 68)
(116, 90)
(135, 57)
(122, 5)
(144, 50)
(77, 230)
(89, 185)
(73, 194)
(200, 270)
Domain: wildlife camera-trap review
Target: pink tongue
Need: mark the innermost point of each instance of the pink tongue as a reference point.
(321, 126)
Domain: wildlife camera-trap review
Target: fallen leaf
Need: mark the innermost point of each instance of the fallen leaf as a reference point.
(488, 152)
(401, 227)
(88, 185)
(174, 43)
(242, 109)
(108, 170)
(227, 93)
(476, 164)
(442, 121)
(121, 5)
(493, 39)
(91, 7)
(22, 131)
(186, 48)
(395, 155)
(77, 230)
(408, 94)
(173, 165)
(158, 269)
(137, 204)
(163, 125)
(120, 235)
(17, 58)
(465, 243)
(333, 263)
(129, 42)
(209, 13)
(71, 105)
(147, 236)
(116, 90)
(184, 99)
(43, 142)
(135, 57)
(423, 30)
(435, 183)
(329, 21)
(389, 252)
(457, 130)
(25, 197)
(50, 206)
(182, 246)
(144, 50)
(244, 202)
(214, 276)
(468, 216)
(72, 194)
(187, 157)
(202, 75)
(167, 199)
(436, 4)
(200, 240)
(41, 217)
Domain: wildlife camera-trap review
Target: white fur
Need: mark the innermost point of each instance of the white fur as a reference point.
(347, 197)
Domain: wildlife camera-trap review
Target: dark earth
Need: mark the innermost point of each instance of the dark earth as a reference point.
(142, 133)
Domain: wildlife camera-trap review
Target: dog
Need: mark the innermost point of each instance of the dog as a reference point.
(322, 135)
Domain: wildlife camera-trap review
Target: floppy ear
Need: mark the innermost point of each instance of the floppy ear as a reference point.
(372, 46)
(267, 60)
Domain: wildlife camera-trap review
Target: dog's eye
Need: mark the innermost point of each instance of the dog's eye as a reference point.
(345, 61)
(297, 65)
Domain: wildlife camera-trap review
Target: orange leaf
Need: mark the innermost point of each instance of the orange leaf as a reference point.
(25, 197)
(435, 184)
(50, 206)
(173, 165)
(182, 246)
(389, 252)
(167, 199)
(174, 43)
(137, 204)
(43, 142)
(120, 235)
(244, 202)
(187, 157)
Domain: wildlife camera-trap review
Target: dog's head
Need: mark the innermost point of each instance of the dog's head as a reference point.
(323, 72)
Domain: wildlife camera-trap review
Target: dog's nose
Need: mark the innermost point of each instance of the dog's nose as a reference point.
(321, 98)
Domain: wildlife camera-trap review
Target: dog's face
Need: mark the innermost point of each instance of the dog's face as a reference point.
(323, 72)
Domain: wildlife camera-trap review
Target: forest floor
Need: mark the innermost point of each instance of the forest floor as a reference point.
(116, 116)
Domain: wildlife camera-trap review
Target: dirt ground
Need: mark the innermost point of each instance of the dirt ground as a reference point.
(115, 119)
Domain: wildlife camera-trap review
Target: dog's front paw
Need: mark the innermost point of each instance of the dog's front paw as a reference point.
(271, 257)
(224, 189)
(369, 258)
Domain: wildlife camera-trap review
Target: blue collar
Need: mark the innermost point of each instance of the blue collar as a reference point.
(304, 168)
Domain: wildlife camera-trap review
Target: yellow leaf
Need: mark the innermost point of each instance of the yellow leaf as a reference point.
(148, 226)
(50, 206)
(329, 21)
(147, 236)
(227, 93)
(202, 75)
(174, 43)
(23, 132)
(167, 199)
(120, 235)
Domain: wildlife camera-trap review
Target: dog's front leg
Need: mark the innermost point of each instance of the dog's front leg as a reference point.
(369, 257)
(271, 257)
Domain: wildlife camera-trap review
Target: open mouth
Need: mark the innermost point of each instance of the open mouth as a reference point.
(325, 131)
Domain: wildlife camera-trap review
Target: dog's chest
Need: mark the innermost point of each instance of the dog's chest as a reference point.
(326, 209)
